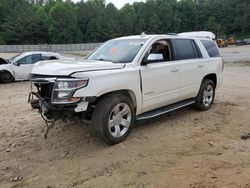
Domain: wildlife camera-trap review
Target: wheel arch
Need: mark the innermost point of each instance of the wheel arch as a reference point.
(5, 70)
(127, 92)
(212, 77)
(8, 71)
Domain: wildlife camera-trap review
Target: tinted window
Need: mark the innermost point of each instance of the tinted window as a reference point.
(184, 49)
(25, 60)
(30, 59)
(36, 58)
(211, 48)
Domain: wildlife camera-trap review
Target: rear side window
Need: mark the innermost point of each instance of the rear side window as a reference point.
(184, 49)
(211, 48)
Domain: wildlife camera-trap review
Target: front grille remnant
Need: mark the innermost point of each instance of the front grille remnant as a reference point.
(44, 84)
(46, 90)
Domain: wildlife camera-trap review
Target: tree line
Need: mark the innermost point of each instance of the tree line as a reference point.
(58, 21)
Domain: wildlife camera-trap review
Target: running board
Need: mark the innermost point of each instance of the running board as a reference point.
(165, 109)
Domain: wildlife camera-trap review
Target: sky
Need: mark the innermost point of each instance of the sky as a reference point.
(119, 3)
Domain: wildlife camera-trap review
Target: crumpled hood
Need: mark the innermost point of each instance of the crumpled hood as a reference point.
(65, 68)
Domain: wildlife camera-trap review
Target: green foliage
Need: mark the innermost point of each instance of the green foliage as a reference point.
(63, 21)
(63, 26)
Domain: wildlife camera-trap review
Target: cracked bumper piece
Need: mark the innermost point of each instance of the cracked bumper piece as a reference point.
(81, 106)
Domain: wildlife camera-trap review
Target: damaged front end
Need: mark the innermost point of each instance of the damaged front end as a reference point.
(54, 98)
(3, 61)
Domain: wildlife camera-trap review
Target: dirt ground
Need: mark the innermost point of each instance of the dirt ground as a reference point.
(185, 148)
(236, 53)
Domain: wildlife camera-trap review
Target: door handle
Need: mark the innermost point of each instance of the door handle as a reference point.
(200, 66)
(174, 70)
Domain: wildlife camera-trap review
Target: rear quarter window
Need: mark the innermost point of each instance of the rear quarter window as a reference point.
(185, 49)
(211, 48)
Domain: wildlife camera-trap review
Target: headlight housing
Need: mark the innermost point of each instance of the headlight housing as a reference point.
(64, 90)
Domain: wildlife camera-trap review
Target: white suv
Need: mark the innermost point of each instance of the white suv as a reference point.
(128, 79)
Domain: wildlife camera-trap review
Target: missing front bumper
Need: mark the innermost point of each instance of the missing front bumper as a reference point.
(57, 110)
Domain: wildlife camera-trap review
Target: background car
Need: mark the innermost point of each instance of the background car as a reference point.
(241, 42)
(19, 67)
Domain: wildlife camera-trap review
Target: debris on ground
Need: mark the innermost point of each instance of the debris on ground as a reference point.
(211, 144)
(17, 178)
(245, 136)
(196, 166)
(8, 150)
(64, 154)
(142, 173)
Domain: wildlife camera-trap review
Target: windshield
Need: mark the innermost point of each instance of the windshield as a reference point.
(14, 57)
(118, 51)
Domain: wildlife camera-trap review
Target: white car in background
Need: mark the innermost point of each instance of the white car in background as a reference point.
(19, 67)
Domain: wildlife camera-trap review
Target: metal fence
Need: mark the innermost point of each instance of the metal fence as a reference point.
(49, 47)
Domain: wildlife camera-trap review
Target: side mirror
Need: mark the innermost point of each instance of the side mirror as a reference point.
(153, 58)
(17, 64)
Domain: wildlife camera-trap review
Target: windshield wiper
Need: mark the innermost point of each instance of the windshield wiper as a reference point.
(103, 60)
(100, 59)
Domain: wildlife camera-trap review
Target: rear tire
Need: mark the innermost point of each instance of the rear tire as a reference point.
(6, 77)
(113, 118)
(205, 97)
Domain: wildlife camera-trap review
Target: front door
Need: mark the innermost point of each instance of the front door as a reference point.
(160, 84)
(161, 79)
(23, 67)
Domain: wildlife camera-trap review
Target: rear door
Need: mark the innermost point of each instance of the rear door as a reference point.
(22, 68)
(190, 64)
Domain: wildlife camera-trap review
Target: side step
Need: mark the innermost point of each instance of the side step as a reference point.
(165, 109)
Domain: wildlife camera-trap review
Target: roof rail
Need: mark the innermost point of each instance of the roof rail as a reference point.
(199, 34)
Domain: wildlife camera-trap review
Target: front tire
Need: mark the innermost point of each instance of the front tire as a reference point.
(205, 97)
(113, 118)
(6, 77)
